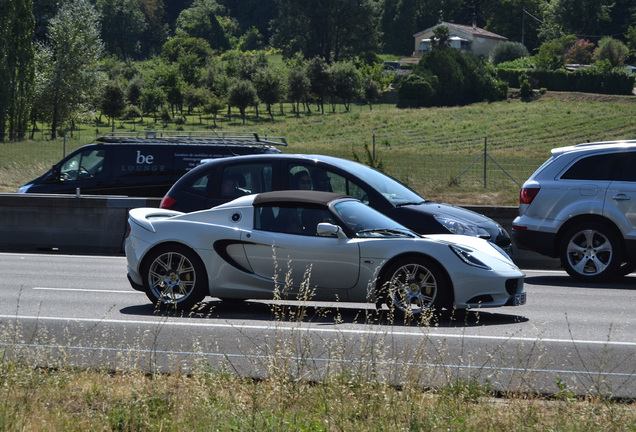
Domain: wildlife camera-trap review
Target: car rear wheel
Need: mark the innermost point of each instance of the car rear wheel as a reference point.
(414, 285)
(174, 276)
(590, 251)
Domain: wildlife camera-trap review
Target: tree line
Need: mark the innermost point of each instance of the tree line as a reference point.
(63, 62)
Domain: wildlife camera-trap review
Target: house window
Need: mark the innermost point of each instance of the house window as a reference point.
(425, 45)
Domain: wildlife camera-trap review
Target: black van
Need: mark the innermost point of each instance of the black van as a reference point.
(144, 164)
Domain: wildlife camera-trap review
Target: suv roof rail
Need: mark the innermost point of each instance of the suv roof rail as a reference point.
(605, 143)
(191, 137)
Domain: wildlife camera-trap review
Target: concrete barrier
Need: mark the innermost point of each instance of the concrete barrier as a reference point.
(97, 224)
(65, 223)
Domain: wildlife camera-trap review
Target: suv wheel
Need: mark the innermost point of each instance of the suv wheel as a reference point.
(590, 251)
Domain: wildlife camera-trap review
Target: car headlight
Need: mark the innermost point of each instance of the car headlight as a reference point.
(458, 227)
(465, 255)
(23, 189)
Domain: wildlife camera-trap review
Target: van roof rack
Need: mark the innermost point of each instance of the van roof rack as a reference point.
(192, 137)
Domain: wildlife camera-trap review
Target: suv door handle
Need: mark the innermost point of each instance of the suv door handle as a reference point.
(621, 197)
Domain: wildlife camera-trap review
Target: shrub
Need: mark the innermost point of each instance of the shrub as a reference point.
(507, 51)
(415, 90)
(580, 52)
(461, 77)
(551, 55)
(525, 89)
(611, 49)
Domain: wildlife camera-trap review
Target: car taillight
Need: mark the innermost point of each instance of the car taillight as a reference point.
(527, 195)
(168, 202)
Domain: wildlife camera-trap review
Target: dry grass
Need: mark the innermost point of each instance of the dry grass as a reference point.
(66, 399)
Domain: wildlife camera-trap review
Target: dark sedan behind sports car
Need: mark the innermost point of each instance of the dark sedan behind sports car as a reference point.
(219, 181)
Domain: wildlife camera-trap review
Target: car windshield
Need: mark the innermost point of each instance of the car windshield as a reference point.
(367, 222)
(394, 191)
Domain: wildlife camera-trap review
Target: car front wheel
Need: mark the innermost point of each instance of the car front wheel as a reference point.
(174, 276)
(590, 252)
(415, 285)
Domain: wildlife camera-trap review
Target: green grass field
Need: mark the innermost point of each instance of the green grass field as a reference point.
(426, 148)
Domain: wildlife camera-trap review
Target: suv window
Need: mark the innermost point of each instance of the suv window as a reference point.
(313, 178)
(629, 168)
(236, 180)
(598, 167)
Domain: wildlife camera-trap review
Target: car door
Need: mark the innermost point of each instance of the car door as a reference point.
(621, 194)
(282, 248)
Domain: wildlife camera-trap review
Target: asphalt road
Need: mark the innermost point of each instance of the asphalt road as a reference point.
(80, 310)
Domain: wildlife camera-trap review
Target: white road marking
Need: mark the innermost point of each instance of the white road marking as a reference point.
(155, 352)
(87, 290)
(310, 329)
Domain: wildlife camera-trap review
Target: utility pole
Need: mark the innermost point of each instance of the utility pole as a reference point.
(523, 26)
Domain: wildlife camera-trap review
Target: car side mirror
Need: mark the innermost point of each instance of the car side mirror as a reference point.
(330, 230)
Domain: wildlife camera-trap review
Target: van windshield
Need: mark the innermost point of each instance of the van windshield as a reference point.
(86, 164)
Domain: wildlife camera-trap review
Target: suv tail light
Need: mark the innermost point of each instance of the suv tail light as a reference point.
(527, 194)
(168, 202)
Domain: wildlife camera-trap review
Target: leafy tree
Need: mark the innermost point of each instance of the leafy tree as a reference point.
(584, 17)
(580, 52)
(507, 51)
(179, 46)
(551, 55)
(251, 40)
(440, 38)
(214, 79)
(189, 69)
(370, 91)
(242, 95)
(132, 112)
(152, 99)
(252, 14)
(270, 87)
(133, 90)
(459, 77)
(612, 50)
(74, 48)
(214, 107)
(298, 86)
(514, 19)
(416, 90)
(346, 82)
(113, 102)
(631, 39)
(331, 29)
(398, 23)
(156, 30)
(319, 80)
(17, 58)
(201, 20)
(123, 23)
(195, 97)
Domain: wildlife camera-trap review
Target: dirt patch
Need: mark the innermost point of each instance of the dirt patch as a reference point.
(568, 97)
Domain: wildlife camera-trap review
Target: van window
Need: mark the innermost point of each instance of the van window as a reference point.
(84, 165)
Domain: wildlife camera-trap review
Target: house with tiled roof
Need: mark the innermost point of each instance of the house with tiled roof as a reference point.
(464, 37)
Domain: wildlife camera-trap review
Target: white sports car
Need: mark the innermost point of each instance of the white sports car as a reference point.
(321, 245)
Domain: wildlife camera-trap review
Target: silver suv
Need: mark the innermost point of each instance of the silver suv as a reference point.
(580, 206)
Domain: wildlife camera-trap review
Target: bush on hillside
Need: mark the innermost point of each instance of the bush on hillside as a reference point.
(457, 78)
(508, 51)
